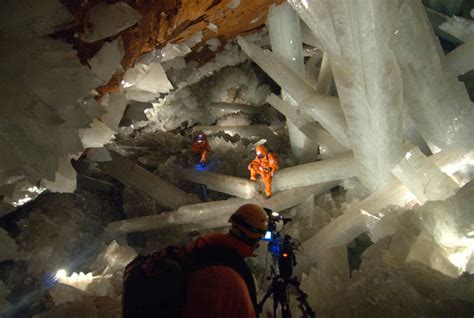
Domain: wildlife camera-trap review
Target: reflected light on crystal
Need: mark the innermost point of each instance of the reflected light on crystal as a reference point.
(60, 274)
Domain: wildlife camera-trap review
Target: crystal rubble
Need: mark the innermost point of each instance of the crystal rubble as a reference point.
(252, 131)
(207, 213)
(370, 93)
(285, 37)
(359, 217)
(133, 175)
(235, 85)
(105, 282)
(460, 59)
(446, 226)
(107, 61)
(423, 178)
(193, 73)
(314, 173)
(188, 104)
(428, 85)
(384, 280)
(238, 187)
(105, 20)
(325, 109)
(221, 109)
(171, 51)
(57, 233)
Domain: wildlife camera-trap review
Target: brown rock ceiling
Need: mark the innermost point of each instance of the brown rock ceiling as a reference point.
(170, 21)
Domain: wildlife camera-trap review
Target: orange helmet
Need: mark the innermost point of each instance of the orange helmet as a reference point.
(261, 149)
(251, 219)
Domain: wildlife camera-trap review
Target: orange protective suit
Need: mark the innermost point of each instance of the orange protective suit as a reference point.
(218, 291)
(201, 146)
(264, 164)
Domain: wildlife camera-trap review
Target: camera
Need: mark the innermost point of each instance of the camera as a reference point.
(282, 247)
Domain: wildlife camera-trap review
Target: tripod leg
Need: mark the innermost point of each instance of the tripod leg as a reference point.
(265, 297)
(303, 300)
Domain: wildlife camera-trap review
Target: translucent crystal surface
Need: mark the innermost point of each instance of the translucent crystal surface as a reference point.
(107, 61)
(252, 131)
(231, 108)
(356, 36)
(325, 76)
(423, 178)
(327, 108)
(215, 213)
(314, 173)
(460, 59)
(131, 174)
(360, 216)
(105, 20)
(437, 102)
(239, 187)
(285, 37)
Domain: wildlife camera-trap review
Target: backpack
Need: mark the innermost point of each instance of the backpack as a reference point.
(155, 285)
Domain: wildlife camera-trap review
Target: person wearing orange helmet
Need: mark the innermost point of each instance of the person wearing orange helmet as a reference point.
(265, 164)
(224, 291)
(201, 146)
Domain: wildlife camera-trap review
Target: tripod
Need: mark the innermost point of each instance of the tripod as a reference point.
(279, 290)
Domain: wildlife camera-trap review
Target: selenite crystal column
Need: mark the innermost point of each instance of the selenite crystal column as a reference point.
(356, 35)
(437, 102)
(285, 37)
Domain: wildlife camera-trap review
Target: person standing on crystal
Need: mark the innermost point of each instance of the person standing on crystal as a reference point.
(201, 146)
(225, 288)
(265, 164)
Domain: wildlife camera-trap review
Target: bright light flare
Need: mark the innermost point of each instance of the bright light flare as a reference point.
(61, 274)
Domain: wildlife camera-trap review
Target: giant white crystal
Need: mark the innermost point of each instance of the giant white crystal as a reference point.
(460, 59)
(356, 35)
(423, 178)
(105, 20)
(131, 174)
(214, 214)
(285, 37)
(437, 102)
(314, 173)
(361, 216)
(325, 109)
(239, 187)
(107, 61)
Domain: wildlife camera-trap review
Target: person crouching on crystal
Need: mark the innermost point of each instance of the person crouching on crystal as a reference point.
(264, 164)
(201, 146)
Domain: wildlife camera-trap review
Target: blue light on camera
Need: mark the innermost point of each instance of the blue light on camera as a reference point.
(200, 166)
(268, 236)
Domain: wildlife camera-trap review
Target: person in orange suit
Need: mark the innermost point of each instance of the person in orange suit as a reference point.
(201, 146)
(265, 164)
(223, 291)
